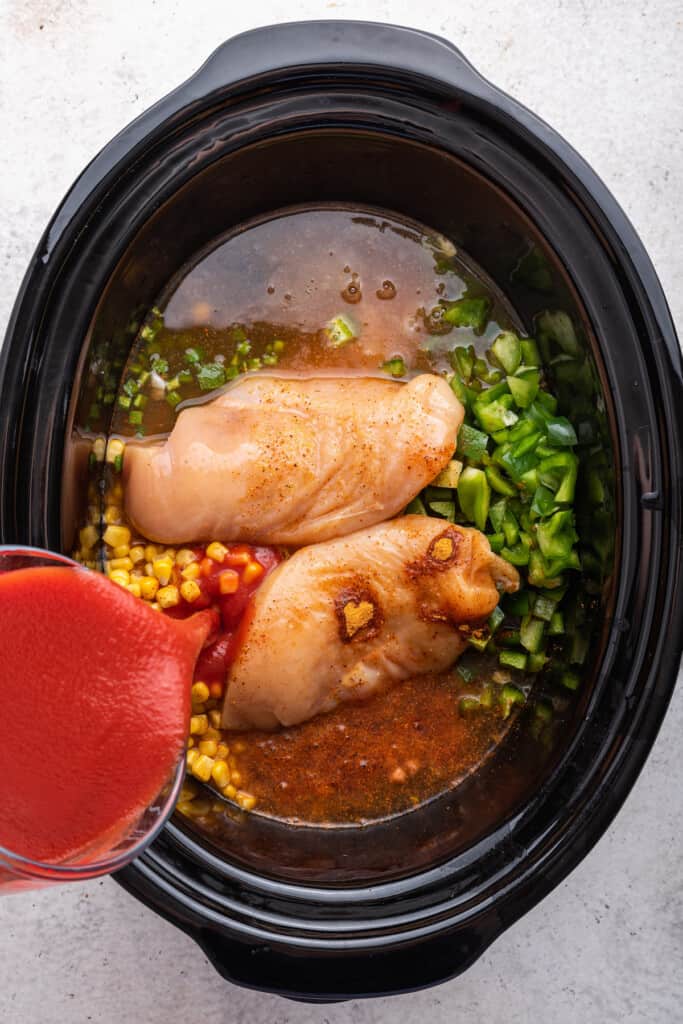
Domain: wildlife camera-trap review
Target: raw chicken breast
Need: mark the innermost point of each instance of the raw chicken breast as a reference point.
(342, 620)
(292, 460)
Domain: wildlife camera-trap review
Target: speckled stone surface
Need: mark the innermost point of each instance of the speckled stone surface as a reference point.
(607, 946)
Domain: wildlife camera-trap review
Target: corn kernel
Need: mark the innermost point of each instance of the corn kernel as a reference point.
(94, 515)
(149, 585)
(99, 448)
(212, 734)
(235, 778)
(230, 792)
(200, 692)
(121, 563)
(239, 747)
(216, 689)
(190, 742)
(155, 606)
(134, 589)
(185, 557)
(206, 566)
(208, 747)
(170, 553)
(122, 551)
(116, 493)
(220, 773)
(201, 768)
(252, 572)
(88, 537)
(215, 719)
(223, 750)
(168, 597)
(216, 551)
(115, 536)
(188, 790)
(151, 552)
(137, 554)
(190, 591)
(184, 807)
(112, 514)
(190, 757)
(246, 801)
(114, 449)
(199, 724)
(163, 568)
(191, 572)
(228, 581)
(120, 576)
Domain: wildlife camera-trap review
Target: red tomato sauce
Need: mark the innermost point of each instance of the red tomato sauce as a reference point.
(94, 706)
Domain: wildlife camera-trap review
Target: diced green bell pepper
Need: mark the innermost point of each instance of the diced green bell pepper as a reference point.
(416, 508)
(496, 415)
(462, 360)
(556, 325)
(498, 482)
(495, 619)
(556, 625)
(510, 695)
(474, 495)
(472, 443)
(558, 473)
(560, 432)
(468, 312)
(497, 515)
(524, 389)
(517, 604)
(530, 354)
(531, 633)
(516, 555)
(444, 508)
(556, 535)
(507, 351)
(496, 541)
(513, 659)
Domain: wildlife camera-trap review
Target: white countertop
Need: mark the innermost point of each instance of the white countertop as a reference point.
(606, 947)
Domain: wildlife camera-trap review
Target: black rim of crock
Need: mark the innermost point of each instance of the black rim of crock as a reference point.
(286, 54)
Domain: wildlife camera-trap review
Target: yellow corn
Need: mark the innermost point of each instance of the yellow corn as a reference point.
(184, 558)
(184, 807)
(99, 448)
(137, 554)
(134, 589)
(200, 693)
(120, 576)
(121, 563)
(228, 581)
(188, 790)
(209, 747)
(114, 449)
(230, 792)
(214, 716)
(88, 537)
(168, 597)
(116, 493)
(246, 801)
(190, 742)
(122, 551)
(212, 734)
(220, 773)
(115, 536)
(94, 515)
(151, 552)
(155, 606)
(170, 553)
(190, 757)
(112, 514)
(190, 591)
(252, 572)
(235, 778)
(149, 585)
(162, 568)
(216, 551)
(199, 724)
(201, 769)
(191, 572)
(223, 750)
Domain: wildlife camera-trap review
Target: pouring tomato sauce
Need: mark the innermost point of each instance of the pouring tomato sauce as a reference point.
(94, 708)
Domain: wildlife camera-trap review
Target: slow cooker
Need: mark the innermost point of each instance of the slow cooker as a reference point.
(391, 117)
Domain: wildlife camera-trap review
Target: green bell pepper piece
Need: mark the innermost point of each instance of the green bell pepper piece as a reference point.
(507, 351)
(530, 354)
(556, 625)
(517, 604)
(462, 360)
(513, 659)
(495, 415)
(524, 389)
(558, 473)
(538, 574)
(517, 555)
(496, 618)
(472, 443)
(497, 515)
(498, 482)
(415, 508)
(496, 541)
(531, 633)
(474, 495)
(556, 536)
(444, 508)
(556, 325)
(560, 432)
(468, 312)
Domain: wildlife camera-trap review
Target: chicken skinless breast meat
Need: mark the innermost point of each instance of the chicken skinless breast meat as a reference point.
(292, 461)
(345, 619)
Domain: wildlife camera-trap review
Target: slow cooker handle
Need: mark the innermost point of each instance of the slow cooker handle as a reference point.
(290, 52)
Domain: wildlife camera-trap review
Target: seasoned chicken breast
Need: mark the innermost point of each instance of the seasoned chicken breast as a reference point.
(342, 620)
(292, 460)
